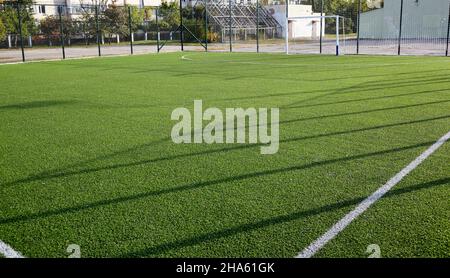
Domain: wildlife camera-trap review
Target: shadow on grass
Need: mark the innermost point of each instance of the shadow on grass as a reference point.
(365, 111)
(353, 77)
(364, 99)
(172, 72)
(36, 104)
(159, 249)
(362, 87)
(199, 185)
(372, 86)
(264, 64)
(358, 88)
(62, 172)
(58, 173)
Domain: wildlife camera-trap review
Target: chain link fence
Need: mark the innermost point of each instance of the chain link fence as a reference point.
(34, 31)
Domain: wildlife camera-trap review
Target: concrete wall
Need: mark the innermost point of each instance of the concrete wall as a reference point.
(421, 19)
(50, 8)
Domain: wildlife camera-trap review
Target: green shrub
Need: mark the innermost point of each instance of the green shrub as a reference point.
(2, 31)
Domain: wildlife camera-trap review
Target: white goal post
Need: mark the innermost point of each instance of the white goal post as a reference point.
(339, 20)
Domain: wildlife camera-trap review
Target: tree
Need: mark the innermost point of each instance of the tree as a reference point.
(170, 15)
(10, 19)
(2, 31)
(345, 8)
(194, 20)
(137, 18)
(50, 27)
(88, 21)
(147, 14)
(375, 4)
(115, 20)
(69, 28)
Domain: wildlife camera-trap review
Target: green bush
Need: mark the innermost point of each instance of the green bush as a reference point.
(2, 31)
(10, 21)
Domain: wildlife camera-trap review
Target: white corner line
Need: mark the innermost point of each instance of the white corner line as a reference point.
(186, 58)
(8, 252)
(312, 249)
(76, 58)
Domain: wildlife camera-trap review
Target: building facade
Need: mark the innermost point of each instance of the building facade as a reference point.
(43, 8)
(422, 19)
(298, 28)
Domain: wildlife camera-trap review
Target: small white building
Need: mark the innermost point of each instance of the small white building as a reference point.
(306, 28)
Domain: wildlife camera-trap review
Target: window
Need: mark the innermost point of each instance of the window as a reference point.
(41, 9)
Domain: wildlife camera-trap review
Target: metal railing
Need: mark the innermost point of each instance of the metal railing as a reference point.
(34, 31)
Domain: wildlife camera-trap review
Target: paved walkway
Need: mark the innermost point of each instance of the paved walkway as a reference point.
(348, 47)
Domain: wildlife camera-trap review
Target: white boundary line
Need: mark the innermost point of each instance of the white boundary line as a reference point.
(312, 249)
(228, 61)
(184, 57)
(79, 58)
(67, 59)
(253, 62)
(8, 251)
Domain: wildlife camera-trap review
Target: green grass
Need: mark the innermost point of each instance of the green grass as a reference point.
(86, 157)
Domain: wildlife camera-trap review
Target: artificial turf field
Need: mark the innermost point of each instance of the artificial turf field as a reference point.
(87, 159)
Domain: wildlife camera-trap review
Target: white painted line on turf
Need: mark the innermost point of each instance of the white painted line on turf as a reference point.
(366, 65)
(8, 252)
(185, 58)
(77, 58)
(67, 59)
(312, 249)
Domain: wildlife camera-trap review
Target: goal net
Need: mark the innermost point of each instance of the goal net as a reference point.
(316, 34)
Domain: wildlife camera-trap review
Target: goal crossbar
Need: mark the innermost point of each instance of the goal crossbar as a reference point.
(315, 16)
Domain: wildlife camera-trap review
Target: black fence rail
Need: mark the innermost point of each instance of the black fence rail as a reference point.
(34, 31)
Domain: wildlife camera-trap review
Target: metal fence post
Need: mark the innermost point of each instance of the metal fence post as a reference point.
(321, 24)
(257, 26)
(19, 15)
(400, 28)
(337, 35)
(181, 27)
(206, 25)
(61, 31)
(230, 26)
(448, 31)
(98, 31)
(358, 26)
(130, 29)
(157, 29)
(286, 31)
